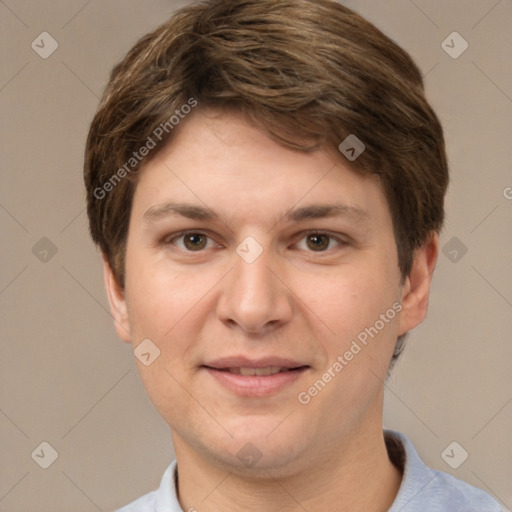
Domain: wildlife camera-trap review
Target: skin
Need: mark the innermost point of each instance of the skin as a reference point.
(295, 301)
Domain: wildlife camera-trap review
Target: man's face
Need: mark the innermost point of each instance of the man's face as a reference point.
(244, 257)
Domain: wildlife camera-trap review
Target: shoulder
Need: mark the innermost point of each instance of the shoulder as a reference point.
(457, 495)
(423, 488)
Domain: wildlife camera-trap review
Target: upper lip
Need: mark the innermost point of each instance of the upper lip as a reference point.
(245, 362)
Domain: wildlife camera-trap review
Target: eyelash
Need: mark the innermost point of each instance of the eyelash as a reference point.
(170, 240)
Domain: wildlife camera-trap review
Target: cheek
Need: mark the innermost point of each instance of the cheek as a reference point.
(351, 301)
(165, 304)
(363, 314)
(164, 307)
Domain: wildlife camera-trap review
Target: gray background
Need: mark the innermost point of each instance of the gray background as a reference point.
(65, 377)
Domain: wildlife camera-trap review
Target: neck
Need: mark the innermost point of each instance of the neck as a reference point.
(345, 478)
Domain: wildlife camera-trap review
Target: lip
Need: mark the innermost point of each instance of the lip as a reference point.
(245, 362)
(255, 385)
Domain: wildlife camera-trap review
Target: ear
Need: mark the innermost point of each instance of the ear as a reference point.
(416, 289)
(116, 298)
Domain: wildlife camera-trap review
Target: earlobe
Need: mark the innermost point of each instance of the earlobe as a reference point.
(117, 301)
(416, 289)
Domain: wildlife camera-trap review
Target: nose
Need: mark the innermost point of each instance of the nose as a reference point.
(255, 297)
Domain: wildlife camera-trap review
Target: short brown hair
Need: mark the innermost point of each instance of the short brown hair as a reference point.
(308, 72)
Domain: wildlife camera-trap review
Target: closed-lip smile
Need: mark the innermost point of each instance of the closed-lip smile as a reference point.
(255, 377)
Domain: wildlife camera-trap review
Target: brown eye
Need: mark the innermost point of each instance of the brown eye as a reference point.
(318, 242)
(194, 241)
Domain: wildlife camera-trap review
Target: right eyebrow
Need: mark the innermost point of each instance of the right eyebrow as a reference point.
(189, 211)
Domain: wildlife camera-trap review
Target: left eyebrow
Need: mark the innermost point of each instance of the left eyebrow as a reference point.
(318, 211)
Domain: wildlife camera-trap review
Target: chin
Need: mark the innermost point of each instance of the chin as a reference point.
(261, 446)
(250, 459)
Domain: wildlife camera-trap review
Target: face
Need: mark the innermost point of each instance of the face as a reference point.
(268, 281)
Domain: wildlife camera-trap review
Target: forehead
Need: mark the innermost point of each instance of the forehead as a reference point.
(218, 164)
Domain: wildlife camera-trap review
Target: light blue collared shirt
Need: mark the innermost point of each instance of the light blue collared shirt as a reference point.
(422, 489)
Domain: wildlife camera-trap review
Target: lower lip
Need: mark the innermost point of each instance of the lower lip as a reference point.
(256, 385)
